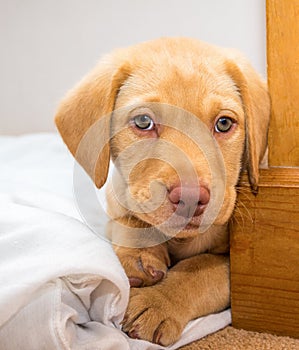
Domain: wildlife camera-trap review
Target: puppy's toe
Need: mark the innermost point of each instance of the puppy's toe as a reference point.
(156, 274)
(146, 271)
(144, 267)
(135, 282)
(168, 332)
(150, 316)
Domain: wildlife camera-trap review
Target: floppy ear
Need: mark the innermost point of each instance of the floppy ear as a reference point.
(83, 117)
(256, 104)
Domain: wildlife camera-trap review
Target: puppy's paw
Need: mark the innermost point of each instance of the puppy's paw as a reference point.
(152, 316)
(146, 266)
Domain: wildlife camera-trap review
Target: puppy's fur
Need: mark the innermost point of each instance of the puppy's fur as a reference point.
(186, 276)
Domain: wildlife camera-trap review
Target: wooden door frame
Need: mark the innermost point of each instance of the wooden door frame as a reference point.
(265, 227)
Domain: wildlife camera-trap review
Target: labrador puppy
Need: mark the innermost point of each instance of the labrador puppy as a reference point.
(180, 119)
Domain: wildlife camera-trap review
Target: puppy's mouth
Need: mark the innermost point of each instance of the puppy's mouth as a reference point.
(182, 209)
(180, 223)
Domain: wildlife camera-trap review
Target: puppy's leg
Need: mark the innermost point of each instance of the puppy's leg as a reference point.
(144, 266)
(194, 287)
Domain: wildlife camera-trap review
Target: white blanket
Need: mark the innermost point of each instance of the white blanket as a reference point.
(62, 286)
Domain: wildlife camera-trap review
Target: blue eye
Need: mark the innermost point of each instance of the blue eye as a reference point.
(144, 122)
(223, 124)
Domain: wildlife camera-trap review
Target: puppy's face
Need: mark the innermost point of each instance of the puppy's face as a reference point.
(185, 117)
(165, 174)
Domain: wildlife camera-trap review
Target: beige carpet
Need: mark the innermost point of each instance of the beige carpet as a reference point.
(234, 339)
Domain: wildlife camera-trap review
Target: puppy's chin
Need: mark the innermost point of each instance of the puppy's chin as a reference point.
(185, 234)
(182, 224)
(172, 225)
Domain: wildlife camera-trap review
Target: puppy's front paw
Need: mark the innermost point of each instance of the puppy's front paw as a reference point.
(146, 266)
(152, 316)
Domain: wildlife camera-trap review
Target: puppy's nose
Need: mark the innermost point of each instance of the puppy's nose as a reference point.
(189, 201)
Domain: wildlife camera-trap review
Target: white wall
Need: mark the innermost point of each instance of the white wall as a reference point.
(47, 45)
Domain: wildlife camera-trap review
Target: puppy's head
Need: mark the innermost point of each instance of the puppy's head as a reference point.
(150, 101)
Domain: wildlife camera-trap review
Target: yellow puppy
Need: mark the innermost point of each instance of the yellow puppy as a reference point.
(180, 119)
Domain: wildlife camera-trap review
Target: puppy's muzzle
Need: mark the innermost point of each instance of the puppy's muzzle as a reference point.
(189, 201)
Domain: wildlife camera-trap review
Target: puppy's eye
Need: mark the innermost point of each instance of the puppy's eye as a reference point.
(144, 122)
(224, 124)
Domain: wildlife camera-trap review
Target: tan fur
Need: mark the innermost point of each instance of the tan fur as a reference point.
(197, 78)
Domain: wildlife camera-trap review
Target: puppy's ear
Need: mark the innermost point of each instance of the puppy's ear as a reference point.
(256, 104)
(83, 117)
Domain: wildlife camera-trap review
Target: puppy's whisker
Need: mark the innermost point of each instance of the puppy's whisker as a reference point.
(237, 219)
(244, 212)
(243, 190)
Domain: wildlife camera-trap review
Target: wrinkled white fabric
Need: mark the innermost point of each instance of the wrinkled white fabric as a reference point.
(61, 286)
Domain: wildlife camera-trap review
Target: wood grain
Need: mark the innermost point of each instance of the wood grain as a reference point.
(265, 255)
(283, 80)
(265, 228)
